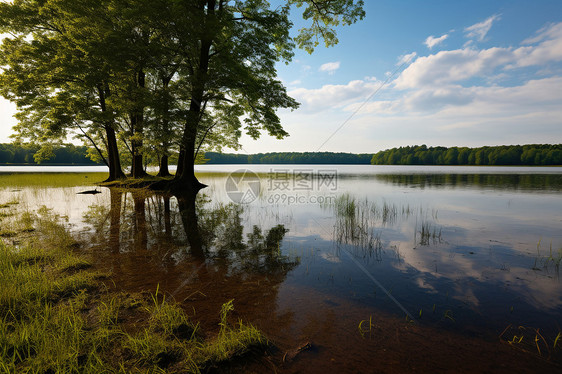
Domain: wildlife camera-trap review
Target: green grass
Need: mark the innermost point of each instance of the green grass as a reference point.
(20, 180)
(56, 316)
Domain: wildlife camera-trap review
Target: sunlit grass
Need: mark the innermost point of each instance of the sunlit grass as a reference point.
(21, 180)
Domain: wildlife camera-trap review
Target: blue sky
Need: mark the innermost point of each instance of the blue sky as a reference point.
(475, 73)
(479, 73)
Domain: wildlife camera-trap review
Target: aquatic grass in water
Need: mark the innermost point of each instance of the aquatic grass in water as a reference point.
(545, 261)
(428, 234)
(530, 339)
(361, 224)
(355, 222)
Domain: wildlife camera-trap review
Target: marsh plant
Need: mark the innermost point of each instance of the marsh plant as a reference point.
(549, 260)
(355, 224)
(360, 223)
(531, 339)
(428, 233)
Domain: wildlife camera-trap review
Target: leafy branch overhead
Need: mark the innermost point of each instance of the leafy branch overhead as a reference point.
(325, 15)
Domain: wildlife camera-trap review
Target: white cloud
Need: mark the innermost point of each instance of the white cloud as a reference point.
(406, 58)
(550, 31)
(330, 67)
(448, 67)
(475, 101)
(452, 66)
(332, 96)
(549, 49)
(478, 31)
(432, 41)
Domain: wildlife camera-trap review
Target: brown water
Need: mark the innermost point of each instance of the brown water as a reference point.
(380, 270)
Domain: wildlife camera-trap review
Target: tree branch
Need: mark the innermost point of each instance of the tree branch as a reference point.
(93, 143)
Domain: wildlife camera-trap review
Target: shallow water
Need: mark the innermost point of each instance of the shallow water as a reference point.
(427, 254)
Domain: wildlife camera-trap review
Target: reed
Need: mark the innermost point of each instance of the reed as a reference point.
(546, 261)
(428, 234)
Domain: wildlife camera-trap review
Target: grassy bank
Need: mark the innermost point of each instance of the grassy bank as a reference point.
(57, 316)
(18, 180)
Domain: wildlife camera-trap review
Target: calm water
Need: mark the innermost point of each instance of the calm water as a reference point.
(309, 252)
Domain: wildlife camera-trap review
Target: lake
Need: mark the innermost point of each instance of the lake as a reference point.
(353, 268)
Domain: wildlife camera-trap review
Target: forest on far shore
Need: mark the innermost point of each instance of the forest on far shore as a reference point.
(530, 155)
(68, 154)
(289, 158)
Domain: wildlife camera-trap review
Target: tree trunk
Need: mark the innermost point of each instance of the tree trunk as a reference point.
(137, 124)
(179, 170)
(115, 170)
(137, 170)
(113, 160)
(164, 171)
(185, 177)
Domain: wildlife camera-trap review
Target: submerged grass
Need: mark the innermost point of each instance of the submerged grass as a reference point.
(532, 340)
(56, 316)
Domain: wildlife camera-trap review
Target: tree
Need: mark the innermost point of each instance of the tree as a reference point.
(451, 156)
(55, 71)
(137, 71)
(230, 53)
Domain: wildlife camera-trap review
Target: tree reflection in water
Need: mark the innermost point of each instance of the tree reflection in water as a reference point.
(193, 249)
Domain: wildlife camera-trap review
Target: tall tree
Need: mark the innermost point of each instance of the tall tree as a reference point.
(53, 68)
(230, 53)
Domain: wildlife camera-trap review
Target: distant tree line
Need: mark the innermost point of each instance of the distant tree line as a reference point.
(530, 154)
(289, 158)
(68, 154)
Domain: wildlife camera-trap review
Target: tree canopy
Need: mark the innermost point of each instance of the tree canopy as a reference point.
(155, 77)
